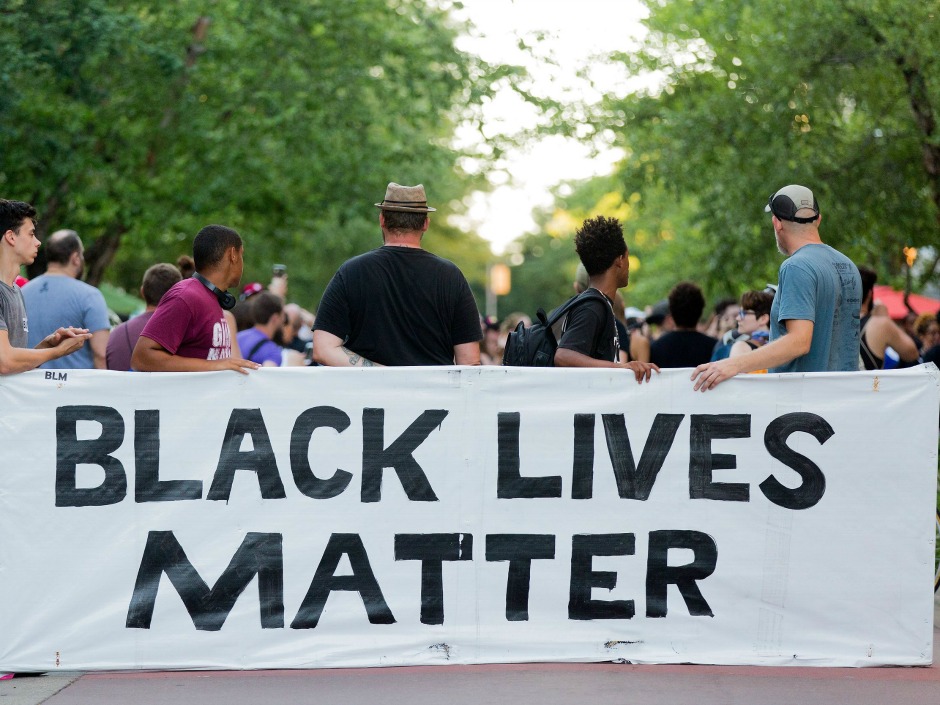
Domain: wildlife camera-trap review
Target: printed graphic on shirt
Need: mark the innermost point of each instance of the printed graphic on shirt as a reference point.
(221, 341)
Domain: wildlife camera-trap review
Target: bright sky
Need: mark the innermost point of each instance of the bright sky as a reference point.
(576, 30)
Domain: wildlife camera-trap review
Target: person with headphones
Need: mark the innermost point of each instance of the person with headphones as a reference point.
(188, 332)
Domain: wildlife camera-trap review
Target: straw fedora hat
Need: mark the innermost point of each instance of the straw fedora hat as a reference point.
(408, 199)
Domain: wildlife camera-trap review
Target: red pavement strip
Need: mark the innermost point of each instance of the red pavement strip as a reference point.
(519, 684)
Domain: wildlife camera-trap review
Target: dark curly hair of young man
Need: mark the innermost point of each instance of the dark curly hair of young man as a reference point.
(598, 242)
(686, 303)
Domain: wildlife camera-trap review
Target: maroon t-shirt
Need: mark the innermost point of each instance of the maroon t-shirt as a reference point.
(188, 322)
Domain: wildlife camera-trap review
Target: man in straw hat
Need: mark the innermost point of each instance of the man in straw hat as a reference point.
(815, 314)
(398, 304)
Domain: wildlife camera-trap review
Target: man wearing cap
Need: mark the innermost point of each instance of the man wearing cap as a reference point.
(815, 315)
(398, 304)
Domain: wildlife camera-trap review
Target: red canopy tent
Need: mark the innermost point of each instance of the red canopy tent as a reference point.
(894, 301)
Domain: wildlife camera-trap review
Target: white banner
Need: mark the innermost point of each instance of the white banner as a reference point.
(384, 517)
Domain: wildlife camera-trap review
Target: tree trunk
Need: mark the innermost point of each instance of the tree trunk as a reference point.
(101, 253)
(927, 123)
(924, 116)
(47, 215)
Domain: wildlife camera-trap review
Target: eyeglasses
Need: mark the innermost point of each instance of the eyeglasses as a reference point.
(742, 314)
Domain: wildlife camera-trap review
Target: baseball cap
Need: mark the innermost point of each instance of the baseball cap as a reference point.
(250, 290)
(790, 200)
(634, 312)
(658, 312)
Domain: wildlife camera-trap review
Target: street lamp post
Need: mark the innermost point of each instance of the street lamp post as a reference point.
(498, 283)
(910, 256)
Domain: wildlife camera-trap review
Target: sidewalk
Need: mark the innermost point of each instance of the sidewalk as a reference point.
(545, 684)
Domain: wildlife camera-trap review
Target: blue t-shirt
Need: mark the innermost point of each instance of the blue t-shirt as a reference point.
(252, 348)
(59, 301)
(820, 284)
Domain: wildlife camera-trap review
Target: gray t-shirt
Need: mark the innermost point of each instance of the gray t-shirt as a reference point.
(58, 301)
(13, 315)
(820, 284)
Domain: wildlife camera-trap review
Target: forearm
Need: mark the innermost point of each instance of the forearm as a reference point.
(570, 358)
(467, 354)
(329, 350)
(640, 348)
(905, 346)
(17, 360)
(159, 360)
(775, 354)
(99, 347)
(344, 357)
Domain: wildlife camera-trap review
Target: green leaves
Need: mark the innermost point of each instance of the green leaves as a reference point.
(756, 95)
(137, 123)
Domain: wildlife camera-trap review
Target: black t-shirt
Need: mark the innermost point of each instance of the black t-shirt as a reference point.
(682, 348)
(590, 330)
(400, 306)
(933, 355)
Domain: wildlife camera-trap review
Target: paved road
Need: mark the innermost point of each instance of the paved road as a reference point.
(544, 684)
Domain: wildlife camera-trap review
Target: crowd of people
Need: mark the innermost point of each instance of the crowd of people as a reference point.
(402, 305)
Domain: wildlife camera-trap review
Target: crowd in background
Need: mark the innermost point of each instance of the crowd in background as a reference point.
(678, 331)
(267, 329)
(682, 331)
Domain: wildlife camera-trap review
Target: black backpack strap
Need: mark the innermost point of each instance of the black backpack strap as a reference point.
(257, 347)
(563, 310)
(592, 293)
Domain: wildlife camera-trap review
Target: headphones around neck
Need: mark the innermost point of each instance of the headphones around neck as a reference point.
(226, 300)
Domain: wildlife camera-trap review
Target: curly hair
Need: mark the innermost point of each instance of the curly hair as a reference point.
(686, 303)
(598, 242)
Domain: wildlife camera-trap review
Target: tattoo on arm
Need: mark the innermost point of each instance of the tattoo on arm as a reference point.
(357, 360)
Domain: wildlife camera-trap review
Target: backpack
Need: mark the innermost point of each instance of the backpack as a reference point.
(535, 346)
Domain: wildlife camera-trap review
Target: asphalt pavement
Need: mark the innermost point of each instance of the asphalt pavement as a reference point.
(519, 684)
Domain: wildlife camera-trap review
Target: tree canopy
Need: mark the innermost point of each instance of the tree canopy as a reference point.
(136, 123)
(753, 95)
(742, 98)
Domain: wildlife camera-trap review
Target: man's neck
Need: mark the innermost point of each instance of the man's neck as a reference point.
(605, 284)
(411, 240)
(9, 269)
(797, 242)
(58, 270)
(217, 278)
(266, 331)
